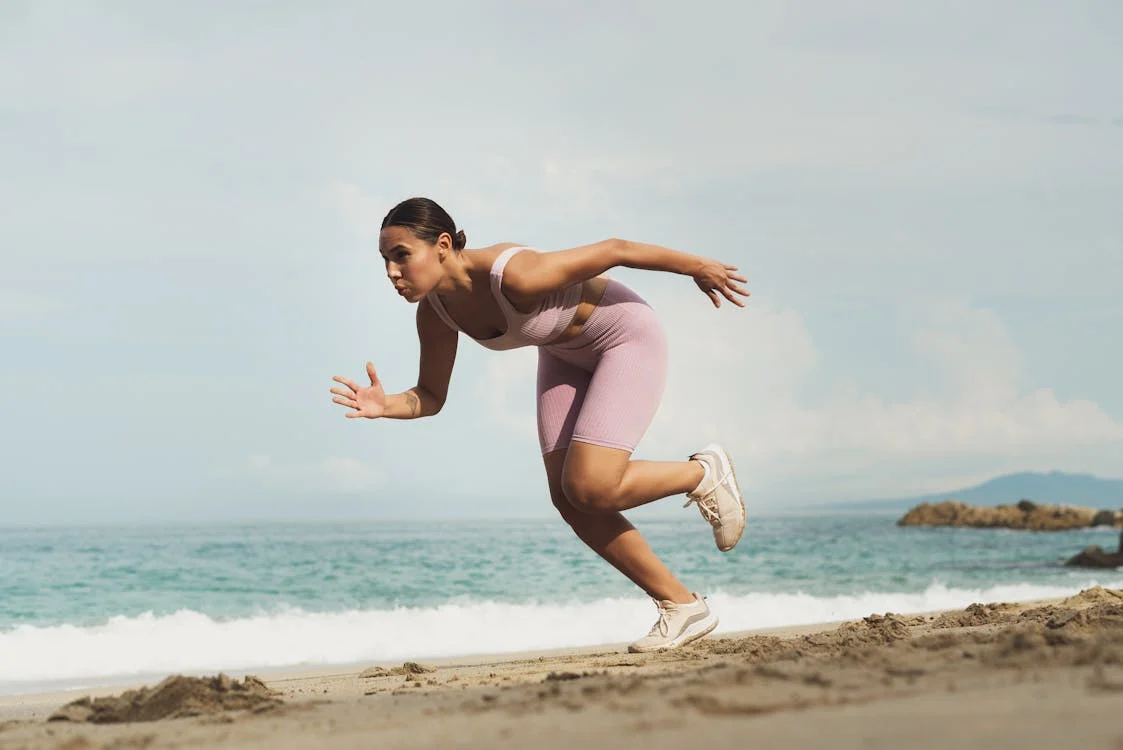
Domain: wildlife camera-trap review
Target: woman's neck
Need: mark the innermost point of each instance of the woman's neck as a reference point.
(458, 278)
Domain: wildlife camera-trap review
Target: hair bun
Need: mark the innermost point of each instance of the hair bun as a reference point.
(460, 241)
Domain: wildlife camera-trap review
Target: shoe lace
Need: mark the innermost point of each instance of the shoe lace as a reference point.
(707, 505)
(661, 626)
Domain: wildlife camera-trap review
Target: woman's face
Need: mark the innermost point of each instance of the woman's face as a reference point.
(412, 265)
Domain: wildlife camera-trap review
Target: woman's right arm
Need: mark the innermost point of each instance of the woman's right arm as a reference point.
(438, 353)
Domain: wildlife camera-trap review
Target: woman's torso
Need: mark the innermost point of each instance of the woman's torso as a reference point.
(540, 320)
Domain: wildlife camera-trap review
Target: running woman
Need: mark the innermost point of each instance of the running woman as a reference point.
(602, 364)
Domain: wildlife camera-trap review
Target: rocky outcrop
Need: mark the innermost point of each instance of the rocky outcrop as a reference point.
(1026, 515)
(1096, 557)
(1107, 518)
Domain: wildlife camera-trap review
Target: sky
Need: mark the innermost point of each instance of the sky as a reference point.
(925, 197)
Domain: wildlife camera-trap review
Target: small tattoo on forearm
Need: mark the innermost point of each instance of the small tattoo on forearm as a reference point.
(414, 403)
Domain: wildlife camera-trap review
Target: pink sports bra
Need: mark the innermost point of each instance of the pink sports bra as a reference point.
(538, 327)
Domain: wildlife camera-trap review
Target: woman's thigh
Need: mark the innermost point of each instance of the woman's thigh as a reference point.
(619, 405)
(623, 394)
(561, 392)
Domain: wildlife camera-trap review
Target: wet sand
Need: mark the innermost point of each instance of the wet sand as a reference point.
(1029, 675)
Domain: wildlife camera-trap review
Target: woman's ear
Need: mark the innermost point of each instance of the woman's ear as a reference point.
(444, 245)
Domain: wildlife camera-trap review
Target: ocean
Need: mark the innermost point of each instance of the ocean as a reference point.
(81, 607)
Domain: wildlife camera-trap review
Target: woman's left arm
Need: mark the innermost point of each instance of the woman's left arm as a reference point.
(533, 273)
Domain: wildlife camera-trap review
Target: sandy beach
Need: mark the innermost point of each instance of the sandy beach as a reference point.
(1020, 675)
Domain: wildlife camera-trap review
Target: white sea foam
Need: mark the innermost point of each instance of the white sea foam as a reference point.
(124, 648)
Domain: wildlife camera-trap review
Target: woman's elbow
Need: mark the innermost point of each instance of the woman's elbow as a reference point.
(617, 250)
(430, 402)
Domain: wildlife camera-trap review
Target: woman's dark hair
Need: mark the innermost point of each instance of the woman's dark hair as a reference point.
(426, 220)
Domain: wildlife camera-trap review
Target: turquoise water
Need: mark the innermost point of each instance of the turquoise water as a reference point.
(200, 597)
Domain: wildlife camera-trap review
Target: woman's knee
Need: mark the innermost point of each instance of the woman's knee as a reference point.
(555, 463)
(588, 494)
(565, 509)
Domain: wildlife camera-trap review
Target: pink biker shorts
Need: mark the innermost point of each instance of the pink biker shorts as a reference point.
(603, 386)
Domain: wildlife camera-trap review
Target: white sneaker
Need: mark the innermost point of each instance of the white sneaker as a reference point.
(719, 498)
(678, 625)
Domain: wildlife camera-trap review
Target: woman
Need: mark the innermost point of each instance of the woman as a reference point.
(601, 371)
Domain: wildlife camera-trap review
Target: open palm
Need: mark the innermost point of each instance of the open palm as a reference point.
(369, 401)
(715, 278)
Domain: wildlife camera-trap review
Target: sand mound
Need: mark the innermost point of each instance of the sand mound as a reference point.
(1055, 615)
(1057, 635)
(875, 630)
(752, 648)
(174, 698)
(1095, 595)
(408, 668)
(1099, 617)
(976, 615)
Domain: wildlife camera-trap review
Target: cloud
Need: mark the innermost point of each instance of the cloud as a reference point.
(1072, 120)
(745, 374)
(20, 309)
(508, 385)
(971, 350)
(334, 474)
(1081, 120)
(361, 213)
(745, 377)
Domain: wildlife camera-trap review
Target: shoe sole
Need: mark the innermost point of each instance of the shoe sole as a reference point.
(683, 638)
(722, 455)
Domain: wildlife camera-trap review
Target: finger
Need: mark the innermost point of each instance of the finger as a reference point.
(738, 277)
(713, 297)
(341, 392)
(346, 382)
(729, 267)
(352, 414)
(729, 296)
(346, 402)
(739, 289)
(373, 375)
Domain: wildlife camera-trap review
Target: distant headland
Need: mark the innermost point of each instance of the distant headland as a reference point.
(1054, 487)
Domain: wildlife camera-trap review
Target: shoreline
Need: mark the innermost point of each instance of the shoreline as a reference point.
(110, 685)
(14, 690)
(38, 704)
(1035, 673)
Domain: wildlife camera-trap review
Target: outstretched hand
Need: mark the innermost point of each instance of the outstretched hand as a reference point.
(713, 278)
(369, 402)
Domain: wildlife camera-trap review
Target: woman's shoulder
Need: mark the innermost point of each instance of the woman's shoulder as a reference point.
(483, 258)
